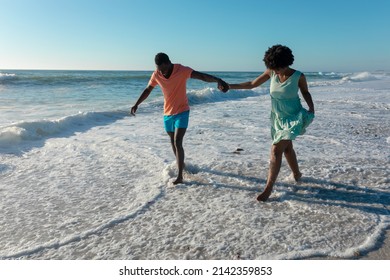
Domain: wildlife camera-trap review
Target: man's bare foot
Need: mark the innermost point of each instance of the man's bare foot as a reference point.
(297, 176)
(264, 195)
(179, 180)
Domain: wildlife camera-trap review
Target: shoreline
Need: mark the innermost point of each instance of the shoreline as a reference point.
(381, 253)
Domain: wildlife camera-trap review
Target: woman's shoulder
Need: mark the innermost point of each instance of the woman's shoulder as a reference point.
(297, 72)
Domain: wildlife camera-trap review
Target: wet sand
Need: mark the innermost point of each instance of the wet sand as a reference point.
(382, 253)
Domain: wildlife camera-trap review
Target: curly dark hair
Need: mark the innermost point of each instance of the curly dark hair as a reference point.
(278, 56)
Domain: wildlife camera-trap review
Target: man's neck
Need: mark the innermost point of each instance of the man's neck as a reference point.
(169, 73)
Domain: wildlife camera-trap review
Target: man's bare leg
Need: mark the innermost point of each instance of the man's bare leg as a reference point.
(172, 137)
(177, 146)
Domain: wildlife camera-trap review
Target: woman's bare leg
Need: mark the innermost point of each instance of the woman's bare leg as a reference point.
(277, 151)
(291, 158)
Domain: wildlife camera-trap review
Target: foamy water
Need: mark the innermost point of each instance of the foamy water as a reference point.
(81, 179)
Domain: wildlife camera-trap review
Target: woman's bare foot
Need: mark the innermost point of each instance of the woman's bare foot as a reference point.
(179, 180)
(265, 194)
(297, 176)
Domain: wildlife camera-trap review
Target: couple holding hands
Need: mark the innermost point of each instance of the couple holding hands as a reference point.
(288, 118)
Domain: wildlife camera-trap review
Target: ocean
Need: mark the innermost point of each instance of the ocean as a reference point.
(82, 179)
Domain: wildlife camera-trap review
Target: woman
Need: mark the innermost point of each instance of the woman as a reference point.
(288, 118)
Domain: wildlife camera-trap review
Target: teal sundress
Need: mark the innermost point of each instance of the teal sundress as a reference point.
(288, 118)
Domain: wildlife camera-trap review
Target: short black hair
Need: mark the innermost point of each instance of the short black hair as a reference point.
(161, 58)
(278, 56)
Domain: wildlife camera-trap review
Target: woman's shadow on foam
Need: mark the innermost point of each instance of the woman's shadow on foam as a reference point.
(308, 189)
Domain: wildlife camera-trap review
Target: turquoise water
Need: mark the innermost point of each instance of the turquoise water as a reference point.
(35, 95)
(82, 179)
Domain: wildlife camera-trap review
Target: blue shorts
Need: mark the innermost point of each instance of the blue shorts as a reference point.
(176, 121)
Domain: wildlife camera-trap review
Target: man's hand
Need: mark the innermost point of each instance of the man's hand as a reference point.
(222, 85)
(133, 110)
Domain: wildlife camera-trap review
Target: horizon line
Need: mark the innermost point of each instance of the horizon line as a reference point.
(145, 70)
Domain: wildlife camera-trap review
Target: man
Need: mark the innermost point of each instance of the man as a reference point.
(172, 79)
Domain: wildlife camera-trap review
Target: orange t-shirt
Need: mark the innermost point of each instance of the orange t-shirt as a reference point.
(173, 88)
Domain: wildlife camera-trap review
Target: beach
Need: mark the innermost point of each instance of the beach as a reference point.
(82, 179)
(383, 252)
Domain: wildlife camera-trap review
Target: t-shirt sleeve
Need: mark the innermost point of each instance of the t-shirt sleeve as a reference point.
(153, 81)
(188, 71)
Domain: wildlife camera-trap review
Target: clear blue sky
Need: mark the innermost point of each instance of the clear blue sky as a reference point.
(334, 35)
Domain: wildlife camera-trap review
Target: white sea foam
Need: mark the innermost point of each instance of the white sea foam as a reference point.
(7, 75)
(42, 129)
(361, 77)
(98, 185)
